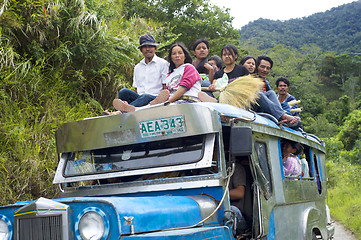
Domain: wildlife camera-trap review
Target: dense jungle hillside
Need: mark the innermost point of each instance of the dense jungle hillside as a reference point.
(337, 30)
(66, 60)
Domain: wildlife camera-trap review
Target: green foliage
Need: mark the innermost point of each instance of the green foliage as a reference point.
(336, 30)
(344, 194)
(319, 126)
(192, 19)
(65, 60)
(338, 110)
(350, 132)
(70, 34)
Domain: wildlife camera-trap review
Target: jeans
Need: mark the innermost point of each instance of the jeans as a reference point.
(268, 103)
(134, 98)
(207, 83)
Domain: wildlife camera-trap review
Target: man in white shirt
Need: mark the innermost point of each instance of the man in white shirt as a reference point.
(149, 75)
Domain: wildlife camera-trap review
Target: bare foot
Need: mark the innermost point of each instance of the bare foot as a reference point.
(204, 97)
(106, 112)
(123, 106)
(291, 121)
(162, 97)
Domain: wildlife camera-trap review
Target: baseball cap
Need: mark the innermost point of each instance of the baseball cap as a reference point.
(147, 40)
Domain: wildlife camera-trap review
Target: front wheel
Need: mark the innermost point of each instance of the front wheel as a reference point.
(315, 236)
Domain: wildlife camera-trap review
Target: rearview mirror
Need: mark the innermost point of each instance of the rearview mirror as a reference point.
(240, 141)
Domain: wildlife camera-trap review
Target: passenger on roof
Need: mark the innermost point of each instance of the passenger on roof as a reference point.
(149, 75)
(201, 51)
(206, 70)
(282, 86)
(231, 70)
(249, 62)
(268, 101)
(183, 81)
(227, 74)
(216, 62)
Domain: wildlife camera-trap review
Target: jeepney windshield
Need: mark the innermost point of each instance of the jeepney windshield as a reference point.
(136, 156)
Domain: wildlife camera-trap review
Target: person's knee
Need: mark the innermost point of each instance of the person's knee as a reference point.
(124, 92)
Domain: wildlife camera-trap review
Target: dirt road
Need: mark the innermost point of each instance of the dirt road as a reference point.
(342, 233)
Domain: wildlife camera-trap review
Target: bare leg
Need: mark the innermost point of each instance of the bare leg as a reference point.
(123, 106)
(162, 97)
(204, 97)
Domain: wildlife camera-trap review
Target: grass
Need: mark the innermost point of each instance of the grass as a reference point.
(344, 194)
(28, 156)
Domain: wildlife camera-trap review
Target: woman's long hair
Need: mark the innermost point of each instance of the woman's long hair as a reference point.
(244, 59)
(200, 67)
(186, 54)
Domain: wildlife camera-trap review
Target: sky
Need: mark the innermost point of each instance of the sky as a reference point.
(245, 11)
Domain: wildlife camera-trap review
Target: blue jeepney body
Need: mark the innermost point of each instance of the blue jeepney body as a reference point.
(162, 173)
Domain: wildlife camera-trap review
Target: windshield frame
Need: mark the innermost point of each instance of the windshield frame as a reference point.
(204, 162)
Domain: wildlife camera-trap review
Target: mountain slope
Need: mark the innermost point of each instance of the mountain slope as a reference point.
(338, 29)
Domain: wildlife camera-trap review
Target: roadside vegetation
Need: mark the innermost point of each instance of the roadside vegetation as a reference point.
(65, 60)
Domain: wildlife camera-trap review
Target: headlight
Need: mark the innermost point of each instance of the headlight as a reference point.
(5, 228)
(92, 223)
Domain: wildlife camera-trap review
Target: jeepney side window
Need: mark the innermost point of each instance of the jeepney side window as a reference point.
(317, 173)
(307, 155)
(261, 151)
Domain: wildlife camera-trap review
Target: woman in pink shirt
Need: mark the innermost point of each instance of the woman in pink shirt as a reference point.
(291, 163)
(183, 82)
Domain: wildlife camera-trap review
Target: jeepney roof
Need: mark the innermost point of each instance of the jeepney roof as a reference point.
(199, 118)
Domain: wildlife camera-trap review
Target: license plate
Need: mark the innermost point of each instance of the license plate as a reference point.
(162, 126)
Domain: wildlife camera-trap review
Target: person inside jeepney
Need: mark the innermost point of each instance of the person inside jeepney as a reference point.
(249, 62)
(183, 81)
(237, 189)
(148, 78)
(282, 86)
(268, 101)
(291, 163)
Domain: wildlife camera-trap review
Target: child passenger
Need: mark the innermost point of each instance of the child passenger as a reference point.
(291, 163)
(183, 81)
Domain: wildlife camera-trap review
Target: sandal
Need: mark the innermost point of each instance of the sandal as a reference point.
(295, 122)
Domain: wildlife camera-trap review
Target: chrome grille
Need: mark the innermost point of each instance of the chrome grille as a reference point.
(40, 228)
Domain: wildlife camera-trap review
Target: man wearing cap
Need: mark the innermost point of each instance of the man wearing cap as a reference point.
(149, 75)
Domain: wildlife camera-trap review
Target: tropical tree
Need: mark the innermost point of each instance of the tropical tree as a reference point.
(192, 19)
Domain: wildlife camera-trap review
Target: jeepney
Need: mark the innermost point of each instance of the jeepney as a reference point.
(163, 173)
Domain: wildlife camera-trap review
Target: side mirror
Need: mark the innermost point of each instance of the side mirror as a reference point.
(240, 143)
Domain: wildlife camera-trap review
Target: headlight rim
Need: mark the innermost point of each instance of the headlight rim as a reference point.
(8, 223)
(102, 215)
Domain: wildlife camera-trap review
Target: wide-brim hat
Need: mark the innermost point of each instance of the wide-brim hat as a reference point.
(147, 40)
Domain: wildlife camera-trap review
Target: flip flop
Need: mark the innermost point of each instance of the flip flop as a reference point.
(162, 97)
(295, 122)
(119, 105)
